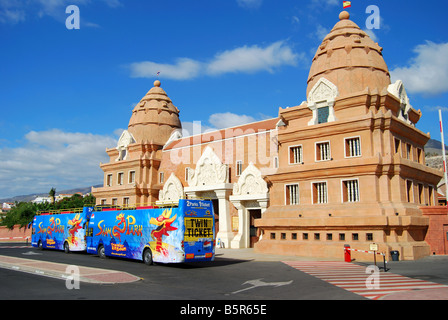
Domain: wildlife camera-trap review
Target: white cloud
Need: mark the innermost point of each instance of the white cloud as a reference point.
(53, 158)
(426, 73)
(435, 109)
(218, 121)
(251, 4)
(228, 119)
(320, 33)
(246, 59)
(325, 3)
(11, 12)
(371, 34)
(15, 11)
(251, 59)
(183, 69)
(194, 128)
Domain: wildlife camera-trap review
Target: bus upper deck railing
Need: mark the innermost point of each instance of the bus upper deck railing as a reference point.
(62, 211)
(108, 207)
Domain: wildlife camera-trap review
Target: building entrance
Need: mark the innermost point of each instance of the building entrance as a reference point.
(216, 214)
(253, 231)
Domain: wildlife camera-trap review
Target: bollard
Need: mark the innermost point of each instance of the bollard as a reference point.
(347, 254)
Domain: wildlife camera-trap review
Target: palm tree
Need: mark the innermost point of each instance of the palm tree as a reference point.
(52, 194)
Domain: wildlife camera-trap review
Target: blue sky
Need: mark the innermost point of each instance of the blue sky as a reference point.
(66, 95)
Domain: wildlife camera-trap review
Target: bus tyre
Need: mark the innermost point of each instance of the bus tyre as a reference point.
(40, 246)
(102, 252)
(147, 257)
(66, 247)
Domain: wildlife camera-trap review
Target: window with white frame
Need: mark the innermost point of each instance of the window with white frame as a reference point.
(239, 167)
(397, 146)
(320, 194)
(276, 164)
(350, 191)
(353, 147)
(187, 169)
(430, 195)
(295, 154)
(109, 180)
(131, 177)
(292, 194)
(323, 114)
(120, 178)
(421, 194)
(409, 191)
(323, 151)
(161, 177)
(408, 151)
(126, 201)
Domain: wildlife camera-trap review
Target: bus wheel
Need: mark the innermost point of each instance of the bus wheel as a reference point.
(147, 256)
(40, 246)
(66, 247)
(102, 252)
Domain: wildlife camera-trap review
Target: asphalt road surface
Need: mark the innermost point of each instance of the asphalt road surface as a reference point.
(223, 279)
(246, 284)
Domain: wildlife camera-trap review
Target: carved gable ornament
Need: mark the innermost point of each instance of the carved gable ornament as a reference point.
(209, 170)
(321, 101)
(172, 190)
(250, 182)
(124, 141)
(323, 90)
(397, 89)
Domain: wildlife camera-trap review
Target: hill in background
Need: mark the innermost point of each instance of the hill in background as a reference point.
(29, 197)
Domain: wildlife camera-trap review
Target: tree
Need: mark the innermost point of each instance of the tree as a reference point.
(23, 212)
(52, 195)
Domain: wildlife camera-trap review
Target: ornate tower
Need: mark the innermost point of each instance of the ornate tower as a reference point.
(352, 167)
(131, 176)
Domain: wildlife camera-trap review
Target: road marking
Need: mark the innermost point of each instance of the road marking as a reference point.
(352, 277)
(14, 247)
(258, 283)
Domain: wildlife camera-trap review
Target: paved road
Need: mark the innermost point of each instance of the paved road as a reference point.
(234, 275)
(227, 278)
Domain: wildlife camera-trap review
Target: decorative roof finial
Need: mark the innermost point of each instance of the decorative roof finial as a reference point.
(344, 15)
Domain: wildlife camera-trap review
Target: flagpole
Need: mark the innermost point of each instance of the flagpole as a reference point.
(444, 156)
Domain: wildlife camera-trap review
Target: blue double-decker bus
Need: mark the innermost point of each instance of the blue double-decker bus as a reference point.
(61, 230)
(173, 234)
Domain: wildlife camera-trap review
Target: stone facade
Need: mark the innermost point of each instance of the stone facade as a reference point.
(346, 166)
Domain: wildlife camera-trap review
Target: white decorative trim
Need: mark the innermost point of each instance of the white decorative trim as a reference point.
(397, 90)
(250, 182)
(176, 135)
(209, 170)
(172, 191)
(323, 94)
(124, 141)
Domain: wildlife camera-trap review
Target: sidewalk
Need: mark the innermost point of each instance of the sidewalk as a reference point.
(105, 276)
(59, 271)
(249, 254)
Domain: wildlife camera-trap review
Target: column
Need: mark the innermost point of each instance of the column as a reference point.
(241, 240)
(225, 227)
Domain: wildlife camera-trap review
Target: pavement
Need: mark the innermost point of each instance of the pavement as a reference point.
(106, 276)
(64, 271)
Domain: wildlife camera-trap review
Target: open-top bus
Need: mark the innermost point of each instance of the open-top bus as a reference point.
(61, 230)
(171, 234)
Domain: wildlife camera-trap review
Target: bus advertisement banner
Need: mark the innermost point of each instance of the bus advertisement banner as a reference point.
(174, 234)
(53, 231)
